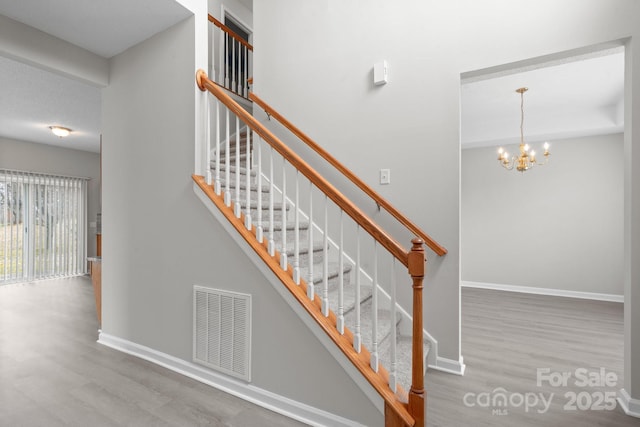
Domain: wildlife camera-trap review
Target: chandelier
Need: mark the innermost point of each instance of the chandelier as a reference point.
(527, 158)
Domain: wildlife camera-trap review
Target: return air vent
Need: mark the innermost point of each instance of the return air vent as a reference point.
(222, 331)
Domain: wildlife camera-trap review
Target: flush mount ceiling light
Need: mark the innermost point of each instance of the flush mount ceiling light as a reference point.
(527, 158)
(60, 131)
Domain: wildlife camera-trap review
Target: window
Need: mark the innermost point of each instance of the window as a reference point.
(42, 226)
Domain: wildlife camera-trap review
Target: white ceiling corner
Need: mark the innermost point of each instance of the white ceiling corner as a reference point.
(33, 99)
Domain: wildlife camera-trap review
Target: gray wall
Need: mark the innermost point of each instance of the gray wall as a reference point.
(32, 157)
(559, 226)
(159, 239)
(313, 62)
(316, 69)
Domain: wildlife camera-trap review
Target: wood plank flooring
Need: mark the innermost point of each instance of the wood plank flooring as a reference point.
(506, 337)
(53, 373)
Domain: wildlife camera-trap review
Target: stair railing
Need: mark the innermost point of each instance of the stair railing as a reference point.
(380, 201)
(273, 172)
(235, 67)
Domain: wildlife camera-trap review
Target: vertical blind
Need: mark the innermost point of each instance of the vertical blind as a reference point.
(42, 226)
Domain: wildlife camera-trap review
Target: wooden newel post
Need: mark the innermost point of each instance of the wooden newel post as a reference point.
(417, 395)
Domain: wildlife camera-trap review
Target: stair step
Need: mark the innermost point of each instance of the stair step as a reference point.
(366, 322)
(232, 157)
(303, 253)
(303, 232)
(318, 275)
(349, 296)
(277, 225)
(232, 169)
(253, 187)
(253, 204)
(404, 350)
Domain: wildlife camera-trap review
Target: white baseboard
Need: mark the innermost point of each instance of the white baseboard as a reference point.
(450, 366)
(544, 291)
(629, 405)
(264, 398)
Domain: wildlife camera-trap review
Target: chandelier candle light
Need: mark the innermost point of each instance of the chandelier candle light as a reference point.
(527, 158)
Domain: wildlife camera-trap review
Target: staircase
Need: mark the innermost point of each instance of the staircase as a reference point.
(336, 262)
(318, 249)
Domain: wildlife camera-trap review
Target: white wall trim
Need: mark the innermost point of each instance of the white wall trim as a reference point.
(629, 405)
(544, 291)
(450, 366)
(264, 398)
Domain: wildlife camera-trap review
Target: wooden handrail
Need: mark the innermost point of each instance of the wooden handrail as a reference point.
(428, 240)
(204, 83)
(229, 31)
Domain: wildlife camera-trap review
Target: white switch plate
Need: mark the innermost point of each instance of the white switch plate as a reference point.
(385, 176)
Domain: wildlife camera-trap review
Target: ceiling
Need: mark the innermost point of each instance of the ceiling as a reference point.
(32, 99)
(105, 28)
(578, 96)
(573, 97)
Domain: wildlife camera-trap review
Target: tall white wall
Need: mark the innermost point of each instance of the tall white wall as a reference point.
(32, 157)
(313, 62)
(159, 239)
(559, 226)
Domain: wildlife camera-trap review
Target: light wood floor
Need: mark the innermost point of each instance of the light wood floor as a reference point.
(506, 337)
(53, 373)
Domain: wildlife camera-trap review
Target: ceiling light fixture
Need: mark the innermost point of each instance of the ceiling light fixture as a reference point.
(527, 158)
(60, 131)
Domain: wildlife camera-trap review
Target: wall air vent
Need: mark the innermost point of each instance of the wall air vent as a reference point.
(222, 331)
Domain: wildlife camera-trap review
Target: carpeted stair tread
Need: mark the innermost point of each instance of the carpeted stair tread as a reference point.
(404, 350)
(366, 322)
(232, 169)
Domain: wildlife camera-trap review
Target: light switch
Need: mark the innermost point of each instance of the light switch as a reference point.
(380, 73)
(385, 176)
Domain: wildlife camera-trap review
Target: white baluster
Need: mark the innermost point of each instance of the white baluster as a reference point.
(393, 374)
(237, 207)
(325, 260)
(218, 187)
(296, 228)
(374, 311)
(227, 163)
(207, 138)
(221, 61)
(283, 251)
(357, 337)
(226, 60)
(233, 65)
(246, 72)
(247, 212)
(259, 231)
(271, 247)
(243, 78)
(340, 321)
(310, 286)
